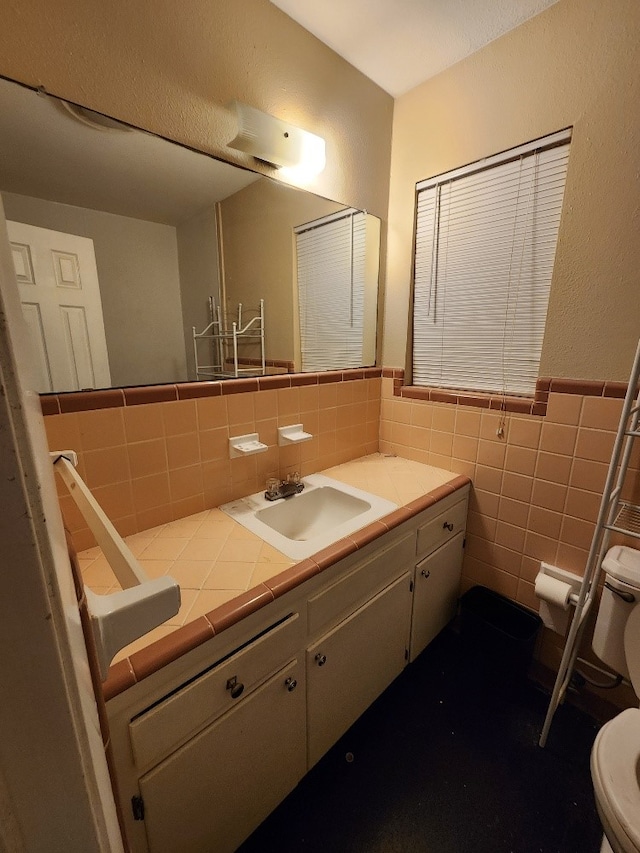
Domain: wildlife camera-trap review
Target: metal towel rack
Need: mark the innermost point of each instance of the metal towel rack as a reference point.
(615, 516)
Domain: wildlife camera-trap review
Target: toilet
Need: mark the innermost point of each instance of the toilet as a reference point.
(615, 757)
(620, 595)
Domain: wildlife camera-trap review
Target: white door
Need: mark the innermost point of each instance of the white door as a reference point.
(60, 294)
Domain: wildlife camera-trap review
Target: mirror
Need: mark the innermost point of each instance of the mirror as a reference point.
(125, 243)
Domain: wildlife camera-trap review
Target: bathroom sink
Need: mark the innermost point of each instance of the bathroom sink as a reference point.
(303, 524)
(313, 512)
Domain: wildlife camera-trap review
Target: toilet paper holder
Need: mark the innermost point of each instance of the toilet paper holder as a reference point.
(557, 590)
(562, 575)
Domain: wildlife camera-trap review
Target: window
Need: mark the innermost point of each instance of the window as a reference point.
(485, 245)
(331, 290)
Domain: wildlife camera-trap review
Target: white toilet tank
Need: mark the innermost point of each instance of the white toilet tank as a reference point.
(622, 581)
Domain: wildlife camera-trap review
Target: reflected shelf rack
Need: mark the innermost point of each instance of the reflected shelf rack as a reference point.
(228, 345)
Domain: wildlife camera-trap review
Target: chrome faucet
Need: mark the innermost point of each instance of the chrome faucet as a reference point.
(277, 488)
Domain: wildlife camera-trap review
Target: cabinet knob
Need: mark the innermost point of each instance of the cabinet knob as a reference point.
(235, 687)
(425, 573)
(321, 659)
(291, 684)
(447, 526)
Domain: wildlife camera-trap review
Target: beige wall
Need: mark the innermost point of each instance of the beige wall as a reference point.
(173, 68)
(258, 246)
(139, 286)
(578, 63)
(199, 279)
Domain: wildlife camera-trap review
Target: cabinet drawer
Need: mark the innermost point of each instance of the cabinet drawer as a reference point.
(443, 527)
(158, 731)
(350, 591)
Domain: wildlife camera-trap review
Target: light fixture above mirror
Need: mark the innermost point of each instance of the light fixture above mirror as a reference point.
(298, 152)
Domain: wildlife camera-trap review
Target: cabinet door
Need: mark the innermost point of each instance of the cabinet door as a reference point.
(436, 593)
(352, 664)
(208, 796)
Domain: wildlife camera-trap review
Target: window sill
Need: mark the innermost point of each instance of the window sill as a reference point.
(536, 405)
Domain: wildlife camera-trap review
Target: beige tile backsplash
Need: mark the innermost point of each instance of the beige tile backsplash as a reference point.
(157, 462)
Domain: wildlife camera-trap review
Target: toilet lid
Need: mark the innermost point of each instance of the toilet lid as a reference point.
(632, 647)
(615, 768)
(623, 563)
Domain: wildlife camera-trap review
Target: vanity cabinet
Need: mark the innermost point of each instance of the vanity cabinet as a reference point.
(212, 757)
(351, 665)
(208, 745)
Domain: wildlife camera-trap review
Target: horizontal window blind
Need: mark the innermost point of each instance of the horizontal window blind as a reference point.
(331, 277)
(485, 246)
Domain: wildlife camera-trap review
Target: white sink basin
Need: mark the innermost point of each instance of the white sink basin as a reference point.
(302, 524)
(312, 513)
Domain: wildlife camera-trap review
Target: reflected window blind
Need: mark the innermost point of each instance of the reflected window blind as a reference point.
(485, 244)
(331, 274)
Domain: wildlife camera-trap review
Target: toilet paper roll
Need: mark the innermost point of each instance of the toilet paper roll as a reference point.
(554, 602)
(553, 591)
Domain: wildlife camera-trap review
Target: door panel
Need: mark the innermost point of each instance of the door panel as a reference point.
(57, 273)
(76, 336)
(349, 667)
(33, 317)
(436, 594)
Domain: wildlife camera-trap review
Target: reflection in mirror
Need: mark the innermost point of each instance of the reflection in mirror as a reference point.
(125, 244)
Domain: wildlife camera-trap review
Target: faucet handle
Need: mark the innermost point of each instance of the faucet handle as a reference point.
(273, 486)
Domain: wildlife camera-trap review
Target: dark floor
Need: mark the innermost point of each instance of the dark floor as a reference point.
(446, 761)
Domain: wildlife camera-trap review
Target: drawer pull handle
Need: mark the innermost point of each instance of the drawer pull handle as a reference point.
(321, 659)
(235, 687)
(425, 573)
(291, 684)
(448, 526)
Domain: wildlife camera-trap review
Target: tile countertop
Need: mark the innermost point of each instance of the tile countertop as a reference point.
(226, 572)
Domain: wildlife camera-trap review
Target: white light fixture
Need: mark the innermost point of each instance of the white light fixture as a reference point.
(278, 143)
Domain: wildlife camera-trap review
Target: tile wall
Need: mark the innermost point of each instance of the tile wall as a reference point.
(536, 488)
(153, 462)
(536, 485)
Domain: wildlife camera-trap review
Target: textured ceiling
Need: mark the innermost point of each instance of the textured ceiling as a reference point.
(400, 43)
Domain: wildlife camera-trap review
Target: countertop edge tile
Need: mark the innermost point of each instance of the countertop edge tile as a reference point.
(459, 482)
(421, 503)
(334, 552)
(292, 577)
(233, 611)
(170, 648)
(121, 676)
(397, 517)
(368, 534)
